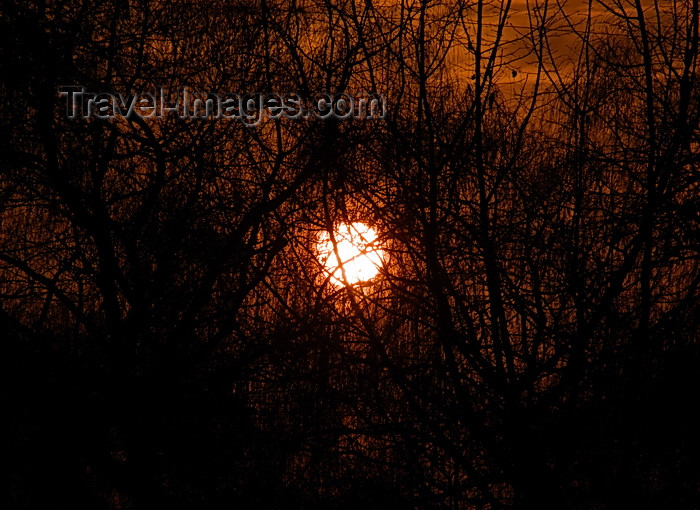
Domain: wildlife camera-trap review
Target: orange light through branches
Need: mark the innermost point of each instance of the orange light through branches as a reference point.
(351, 255)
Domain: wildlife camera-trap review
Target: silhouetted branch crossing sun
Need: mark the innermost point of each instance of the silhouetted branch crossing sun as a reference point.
(351, 255)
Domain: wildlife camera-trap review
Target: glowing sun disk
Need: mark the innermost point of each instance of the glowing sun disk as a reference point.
(356, 247)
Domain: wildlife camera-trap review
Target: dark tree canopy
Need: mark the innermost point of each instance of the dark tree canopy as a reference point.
(171, 340)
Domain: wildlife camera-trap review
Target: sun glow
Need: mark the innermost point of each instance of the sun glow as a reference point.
(357, 248)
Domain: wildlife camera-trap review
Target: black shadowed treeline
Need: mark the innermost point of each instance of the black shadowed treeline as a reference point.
(169, 339)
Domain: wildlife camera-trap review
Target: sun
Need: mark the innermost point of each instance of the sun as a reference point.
(358, 251)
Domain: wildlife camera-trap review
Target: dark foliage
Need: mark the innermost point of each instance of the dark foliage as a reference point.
(170, 339)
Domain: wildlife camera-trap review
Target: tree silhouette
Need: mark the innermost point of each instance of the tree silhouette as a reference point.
(172, 338)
